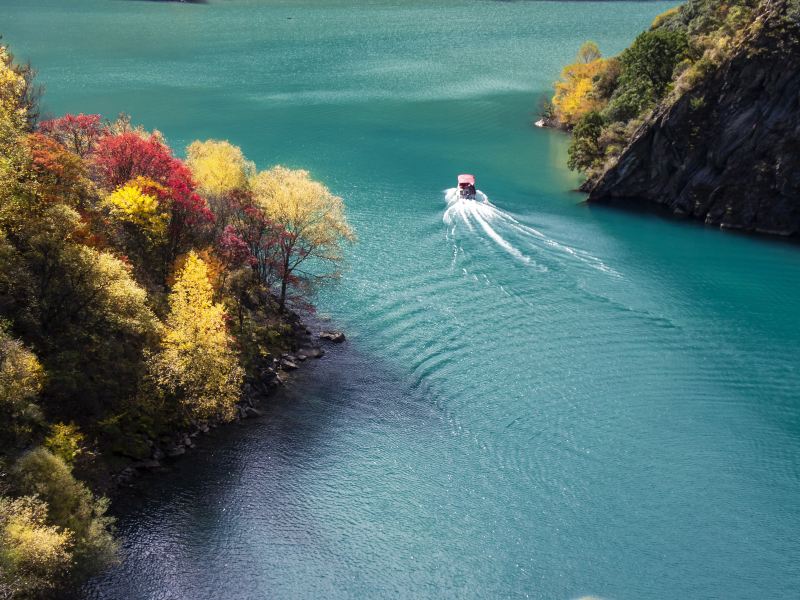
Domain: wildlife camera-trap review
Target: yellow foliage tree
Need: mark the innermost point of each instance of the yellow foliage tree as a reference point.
(21, 380)
(313, 219)
(70, 505)
(34, 555)
(218, 167)
(131, 204)
(13, 120)
(65, 441)
(220, 171)
(197, 363)
(574, 91)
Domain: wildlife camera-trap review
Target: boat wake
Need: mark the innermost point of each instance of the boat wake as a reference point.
(517, 239)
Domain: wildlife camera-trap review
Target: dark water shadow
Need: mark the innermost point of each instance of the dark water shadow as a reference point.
(259, 467)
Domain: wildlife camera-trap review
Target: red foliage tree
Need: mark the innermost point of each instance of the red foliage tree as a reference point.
(233, 250)
(77, 133)
(262, 238)
(119, 158)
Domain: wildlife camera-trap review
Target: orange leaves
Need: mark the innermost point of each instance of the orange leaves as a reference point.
(60, 175)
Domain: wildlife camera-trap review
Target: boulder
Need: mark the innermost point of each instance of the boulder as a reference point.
(176, 451)
(251, 412)
(147, 464)
(288, 365)
(336, 337)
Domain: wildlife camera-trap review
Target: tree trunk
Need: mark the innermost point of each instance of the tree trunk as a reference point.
(282, 302)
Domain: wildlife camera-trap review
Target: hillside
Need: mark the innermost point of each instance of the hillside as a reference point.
(719, 142)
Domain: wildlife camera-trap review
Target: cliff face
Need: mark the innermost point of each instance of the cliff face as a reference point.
(727, 151)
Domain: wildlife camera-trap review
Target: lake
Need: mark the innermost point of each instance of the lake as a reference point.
(537, 398)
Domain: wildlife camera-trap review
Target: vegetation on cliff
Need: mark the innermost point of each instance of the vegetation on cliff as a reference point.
(604, 101)
(138, 293)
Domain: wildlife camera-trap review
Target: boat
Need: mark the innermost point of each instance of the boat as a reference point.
(466, 186)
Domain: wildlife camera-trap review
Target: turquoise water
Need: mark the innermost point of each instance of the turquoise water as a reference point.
(538, 398)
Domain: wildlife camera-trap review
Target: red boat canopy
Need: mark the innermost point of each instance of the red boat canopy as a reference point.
(466, 179)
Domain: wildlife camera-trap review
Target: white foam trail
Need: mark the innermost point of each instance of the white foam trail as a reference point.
(492, 220)
(501, 241)
(482, 212)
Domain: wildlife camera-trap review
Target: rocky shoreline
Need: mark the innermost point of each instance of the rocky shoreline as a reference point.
(306, 346)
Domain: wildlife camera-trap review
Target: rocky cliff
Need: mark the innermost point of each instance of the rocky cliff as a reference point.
(728, 150)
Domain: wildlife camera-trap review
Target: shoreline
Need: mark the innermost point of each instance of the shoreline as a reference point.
(307, 340)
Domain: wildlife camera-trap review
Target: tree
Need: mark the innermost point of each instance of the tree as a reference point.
(120, 158)
(34, 555)
(585, 151)
(589, 52)
(313, 222)
(18, 89)
(65, 441)
(647, 68)
(197, 364)
(261, 236)
(218, 167)
(56, 174)
(70, 506)
(653, 56)
(78, 133)
(222, 174)
(574, 92)
(130, 204)
(21, 381)
(13, 122)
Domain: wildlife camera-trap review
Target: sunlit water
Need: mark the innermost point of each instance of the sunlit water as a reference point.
(538, 398)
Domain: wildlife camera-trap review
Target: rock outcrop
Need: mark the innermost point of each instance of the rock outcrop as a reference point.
(727, 151)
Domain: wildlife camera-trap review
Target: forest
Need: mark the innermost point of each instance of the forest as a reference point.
(139, 292)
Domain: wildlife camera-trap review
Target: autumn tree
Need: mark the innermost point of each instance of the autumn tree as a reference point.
(13, 123)
(65, 441)
(35, 555)
(78, 133)
(120, 158)
(71, 506)
(57, 174)
(261, 236)
(21, 382)
(197, 364)
(222, 175)
(574, 92)
(140, 212)
(218, 167)
(314, 227)
(81, 307)
(589, 52)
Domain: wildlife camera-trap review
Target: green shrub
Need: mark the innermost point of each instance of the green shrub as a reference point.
(585, 152)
